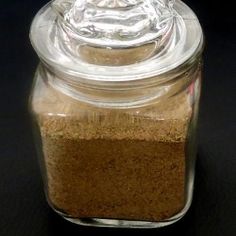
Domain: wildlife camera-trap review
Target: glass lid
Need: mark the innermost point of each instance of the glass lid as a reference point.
(115, 40)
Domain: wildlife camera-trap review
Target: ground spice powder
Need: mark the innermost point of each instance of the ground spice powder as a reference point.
(114, 163)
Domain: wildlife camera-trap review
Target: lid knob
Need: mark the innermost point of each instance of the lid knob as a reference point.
(92, 25)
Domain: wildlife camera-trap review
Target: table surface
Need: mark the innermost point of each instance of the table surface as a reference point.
(23, 209)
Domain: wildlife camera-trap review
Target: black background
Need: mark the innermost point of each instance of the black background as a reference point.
(23, 209)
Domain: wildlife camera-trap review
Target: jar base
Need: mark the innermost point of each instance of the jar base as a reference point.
(116, 223)
(96, 222)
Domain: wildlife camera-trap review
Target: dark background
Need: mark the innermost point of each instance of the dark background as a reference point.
(23, 209)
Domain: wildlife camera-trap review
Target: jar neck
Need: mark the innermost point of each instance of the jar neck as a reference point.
(123, 94)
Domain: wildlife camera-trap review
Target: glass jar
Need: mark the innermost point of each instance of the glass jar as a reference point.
(115, 106)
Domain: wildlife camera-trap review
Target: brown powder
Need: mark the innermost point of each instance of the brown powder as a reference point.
(118, 164)
(136, 180)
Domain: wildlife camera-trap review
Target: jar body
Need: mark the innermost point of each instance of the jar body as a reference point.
(118, 167)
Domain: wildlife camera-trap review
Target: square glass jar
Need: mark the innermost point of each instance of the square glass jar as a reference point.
(115, 126)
